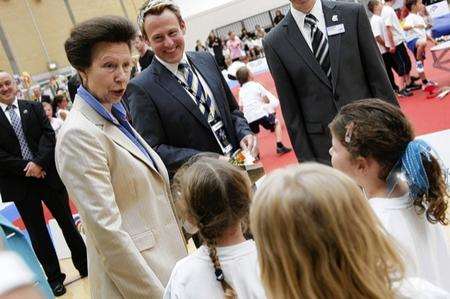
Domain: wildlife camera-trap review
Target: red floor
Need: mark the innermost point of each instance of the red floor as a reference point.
(426, 115)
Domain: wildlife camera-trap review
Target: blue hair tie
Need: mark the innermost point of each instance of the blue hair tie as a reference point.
(413, 169)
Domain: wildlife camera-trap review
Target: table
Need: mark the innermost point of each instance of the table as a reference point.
(438, 52)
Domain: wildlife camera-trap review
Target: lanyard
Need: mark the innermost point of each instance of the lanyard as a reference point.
(189, 90)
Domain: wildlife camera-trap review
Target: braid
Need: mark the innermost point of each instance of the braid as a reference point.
(227, 289)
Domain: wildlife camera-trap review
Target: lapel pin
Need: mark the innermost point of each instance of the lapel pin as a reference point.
(334, 18)
(25, 111)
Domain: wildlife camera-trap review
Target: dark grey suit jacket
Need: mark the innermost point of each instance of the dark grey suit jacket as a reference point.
(168, 119)
(309, 101)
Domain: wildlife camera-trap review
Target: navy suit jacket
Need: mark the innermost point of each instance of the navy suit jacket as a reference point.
(165, 115)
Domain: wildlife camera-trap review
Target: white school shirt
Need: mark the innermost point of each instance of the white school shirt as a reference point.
(412, 20)
(378, 29)
(423, 245)
(299, 18)
(251, 96)
(193, 276)
(390, 19)
(417, 288)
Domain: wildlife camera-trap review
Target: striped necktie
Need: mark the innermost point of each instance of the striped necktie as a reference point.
(196, 89)
(17, 126)
(319, 45)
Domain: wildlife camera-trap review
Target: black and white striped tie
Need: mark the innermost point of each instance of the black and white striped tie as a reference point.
(319, 45)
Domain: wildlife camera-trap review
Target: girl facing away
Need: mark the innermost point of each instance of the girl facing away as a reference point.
(318, 238)
(373, 142)
(216, 198)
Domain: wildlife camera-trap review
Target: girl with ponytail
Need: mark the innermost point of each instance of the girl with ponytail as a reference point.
(373, 142)
(216, 199)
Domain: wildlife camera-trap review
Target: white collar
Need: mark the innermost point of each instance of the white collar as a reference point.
(14, 103)
(392, 203)
(173, 67)
(299, 16)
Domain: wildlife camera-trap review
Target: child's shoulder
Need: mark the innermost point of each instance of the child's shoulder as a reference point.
(193, 262)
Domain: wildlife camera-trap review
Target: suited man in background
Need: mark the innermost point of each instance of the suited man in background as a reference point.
(181, 104)
(322, 56)
(28, 175)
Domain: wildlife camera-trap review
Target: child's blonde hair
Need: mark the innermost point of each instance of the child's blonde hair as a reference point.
(318, 238)
(216, 196)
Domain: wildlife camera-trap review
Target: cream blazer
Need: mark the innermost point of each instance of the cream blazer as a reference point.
(125, 204)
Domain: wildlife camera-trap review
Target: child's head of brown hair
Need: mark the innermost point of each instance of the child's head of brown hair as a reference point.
(378, 130)
(243, 75)
(372, 5)
(410, 3)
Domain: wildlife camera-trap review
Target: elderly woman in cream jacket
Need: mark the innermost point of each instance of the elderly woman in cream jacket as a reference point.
(119, 184)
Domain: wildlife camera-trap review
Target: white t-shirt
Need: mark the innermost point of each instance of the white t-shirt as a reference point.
(423, 245)
(390, 19)
(251, 96)
(417, 288)
(413, 20)
(378, 29)
(193, 276)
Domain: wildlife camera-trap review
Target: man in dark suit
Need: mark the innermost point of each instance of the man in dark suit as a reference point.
(28, 175)
(322, 56)
(181, 104)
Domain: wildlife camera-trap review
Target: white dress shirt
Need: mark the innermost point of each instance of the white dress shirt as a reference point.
(16, 104)
(299, 18)
(423, 245)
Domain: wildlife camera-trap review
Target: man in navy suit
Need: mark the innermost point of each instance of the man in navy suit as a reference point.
(181, 104)
(28, 176)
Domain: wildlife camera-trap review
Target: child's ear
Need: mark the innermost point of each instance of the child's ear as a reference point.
(362, 165)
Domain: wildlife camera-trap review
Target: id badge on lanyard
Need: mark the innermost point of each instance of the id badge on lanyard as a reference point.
(221, 136)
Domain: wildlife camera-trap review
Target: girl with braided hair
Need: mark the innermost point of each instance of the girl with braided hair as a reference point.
(216, 198)
(373, 142)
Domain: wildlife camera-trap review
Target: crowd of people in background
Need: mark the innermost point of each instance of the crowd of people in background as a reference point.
(395, 37)
(246, 46)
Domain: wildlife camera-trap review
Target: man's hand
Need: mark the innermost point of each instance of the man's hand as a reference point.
(392, 50)
(34, 170)
(250, 144)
